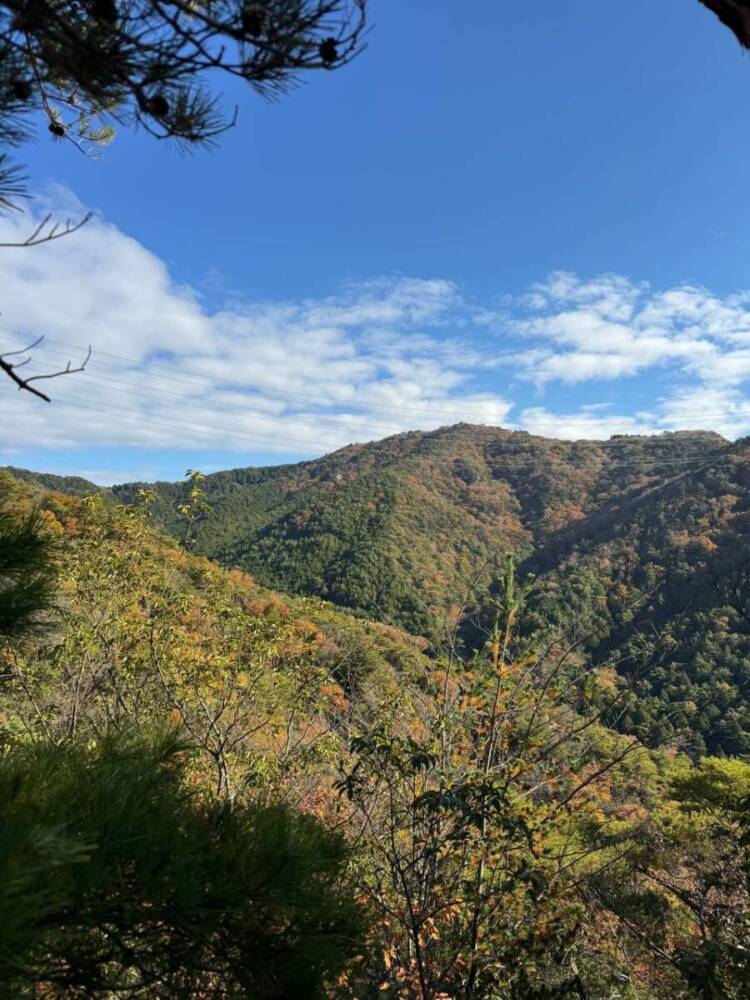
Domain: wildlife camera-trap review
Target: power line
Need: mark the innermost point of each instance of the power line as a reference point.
(147, 392)
(217, 431)
(511, 465)
(284, 394)
(196, 378)
(336, 420)
(276, 440)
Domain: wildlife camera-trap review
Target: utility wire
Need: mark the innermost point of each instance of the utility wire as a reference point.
(195, 378)
(186, 375)
(146, 392)
(224, 432)
(147, 420)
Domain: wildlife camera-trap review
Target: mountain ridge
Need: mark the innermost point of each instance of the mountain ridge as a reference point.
(468, 487)
(635, 537)
(431, 504)
(629, 536)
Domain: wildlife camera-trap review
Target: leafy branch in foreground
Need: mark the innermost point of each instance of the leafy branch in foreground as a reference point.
(682, 896)
(194, 507)
(475, 821)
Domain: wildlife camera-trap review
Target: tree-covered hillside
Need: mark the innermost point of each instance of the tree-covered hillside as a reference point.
(672, 566)
(418, 522)
(41, 482)
(209, 786)
(652, 533)
(411, 530)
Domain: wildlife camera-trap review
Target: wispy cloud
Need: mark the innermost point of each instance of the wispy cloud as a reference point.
(586, 423)
(295, 377)
(374, 358)
(612, 327)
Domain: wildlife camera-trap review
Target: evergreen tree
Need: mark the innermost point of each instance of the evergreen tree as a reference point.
(27, 578)
(116, 878)
(87, 66)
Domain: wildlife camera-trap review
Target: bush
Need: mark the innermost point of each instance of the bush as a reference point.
(115, 876)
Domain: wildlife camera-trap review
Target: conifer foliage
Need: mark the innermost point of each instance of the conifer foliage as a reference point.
(89, 65)
(115, 879)
(27, 559)
(209, 790)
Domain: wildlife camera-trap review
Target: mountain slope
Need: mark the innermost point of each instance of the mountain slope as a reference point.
(418, 522)
(42, 482)
(645, 540)
(292, 700)
(128, 595)
(672, 566)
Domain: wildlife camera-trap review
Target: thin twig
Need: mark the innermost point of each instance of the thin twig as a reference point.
(25, 383)
(46, 233)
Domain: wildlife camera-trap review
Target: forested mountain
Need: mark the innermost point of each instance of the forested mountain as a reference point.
(205, 782)
(400, 526)
(669, 569)
(41, 482)
(650, 535)
(412, 529)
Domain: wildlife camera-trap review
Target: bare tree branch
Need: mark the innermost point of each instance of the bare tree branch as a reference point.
(10, 368)
(47, 230)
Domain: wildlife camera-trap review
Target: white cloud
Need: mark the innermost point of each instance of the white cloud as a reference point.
(382, 301)
(613, 328)
(295, 377)
(584, 424)
(611, 295)
(723, 410)
(376, 358)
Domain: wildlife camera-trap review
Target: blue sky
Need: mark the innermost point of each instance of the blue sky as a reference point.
(414, 240)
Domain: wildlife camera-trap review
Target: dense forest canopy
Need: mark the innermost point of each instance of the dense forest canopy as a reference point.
(455, 714)
(646, 535)
(387, 817)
